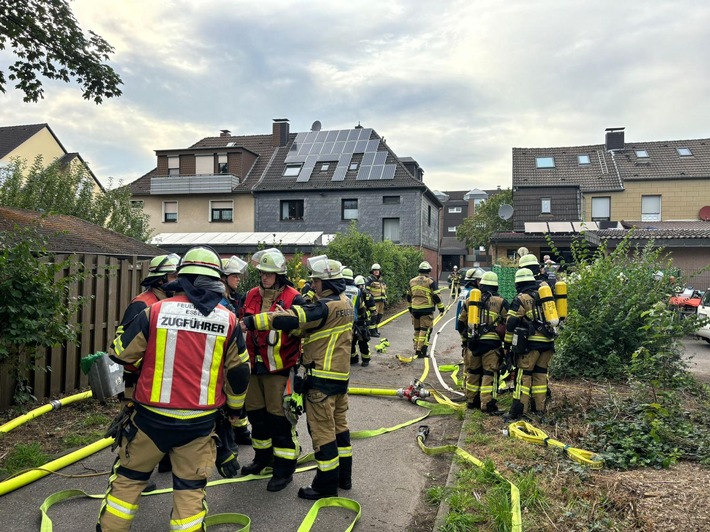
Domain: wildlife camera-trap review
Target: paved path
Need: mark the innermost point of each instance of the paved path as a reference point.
(390, 471)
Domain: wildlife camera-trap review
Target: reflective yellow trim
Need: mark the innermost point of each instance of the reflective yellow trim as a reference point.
(300, 313)
(330, 375)
(328, 465)
(286, 453)
(260, 444)
(236, 401)
(160, 344)
(179, 413)
(345, 452)
(244, 356)
(193, 522)
(261, 321)
(327, 332)
(118, 346)
(121, 509)
(215, 366)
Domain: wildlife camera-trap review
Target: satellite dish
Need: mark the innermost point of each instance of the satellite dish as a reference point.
(316, 126)
(505, 211)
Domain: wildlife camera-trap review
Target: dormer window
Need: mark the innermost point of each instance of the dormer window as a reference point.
(324, 167)
(583, 159)
(546, 205)
(231, 144)
(292, 170)
(641, 154)
(684, 152)
(544, 162)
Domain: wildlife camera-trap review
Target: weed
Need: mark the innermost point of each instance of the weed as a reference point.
(436, 495)
(24, 456)
(95, 420)
(81, 439)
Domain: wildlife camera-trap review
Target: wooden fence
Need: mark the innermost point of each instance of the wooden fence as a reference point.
(110, 287)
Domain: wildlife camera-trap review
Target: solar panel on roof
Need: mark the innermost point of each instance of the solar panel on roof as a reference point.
(535, 227)
(560, 227)
(389, 171)
(372, 145)
(332, 136)
(380, 157)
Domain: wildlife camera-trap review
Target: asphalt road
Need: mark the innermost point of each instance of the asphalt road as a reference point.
(697, 352)
(389, 479)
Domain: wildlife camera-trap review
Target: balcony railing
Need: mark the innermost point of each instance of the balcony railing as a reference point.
(193, 184)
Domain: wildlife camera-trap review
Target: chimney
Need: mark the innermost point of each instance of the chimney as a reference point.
(614, 138)
(225, 133)
(280, 132)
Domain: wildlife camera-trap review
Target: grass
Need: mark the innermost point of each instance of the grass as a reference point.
(24, 456)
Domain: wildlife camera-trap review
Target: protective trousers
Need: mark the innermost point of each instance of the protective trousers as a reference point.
(273, 436)
(328, 426)
(422, 330)
(192, 456)
(359, 343)
(376, 316)
(531, 379)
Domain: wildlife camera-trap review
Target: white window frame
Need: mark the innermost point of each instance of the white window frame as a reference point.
(349, 213)
(601, 208)
(651, 206)
(545, 205)
(583, 159)
(452, 229)
(168, 209)
(292, 170)
(391, 229)
(684, 152)
(221, 205)
(641, 154)
(174, 165)
(544, 162)
(222, 163)
(455, 210)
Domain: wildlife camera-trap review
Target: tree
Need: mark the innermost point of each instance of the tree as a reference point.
(49, 42)
(476, 230)
(71, 190)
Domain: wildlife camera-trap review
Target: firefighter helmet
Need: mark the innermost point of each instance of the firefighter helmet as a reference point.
(477, 274)
(528, 260)
(201, 261)
(523, 275)
(234, 265)
(347, 273)
(322, 267)
(301, 284)
(489, 279)
(455, 267)
(269, 260)
(424, 266)
(163, 264)
(375, 266)
(359, 280)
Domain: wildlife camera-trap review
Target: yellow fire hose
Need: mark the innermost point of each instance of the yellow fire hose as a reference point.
(52, 405)
(527, 432)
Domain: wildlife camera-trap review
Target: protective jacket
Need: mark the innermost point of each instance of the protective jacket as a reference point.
(526, 311)
(370, 307)
(139, 303)
(377, 287)
(354, 294)
(423, 295)
(455, 278)
(172, 338)
(494, 312)
(326, 325)
(272, 350)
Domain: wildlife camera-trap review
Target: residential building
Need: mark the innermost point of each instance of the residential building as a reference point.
(563, 191)
(311, 182)
(27, 142)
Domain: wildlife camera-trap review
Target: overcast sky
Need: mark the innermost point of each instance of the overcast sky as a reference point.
(453, 84)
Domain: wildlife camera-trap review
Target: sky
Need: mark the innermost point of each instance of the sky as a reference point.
(453, 84)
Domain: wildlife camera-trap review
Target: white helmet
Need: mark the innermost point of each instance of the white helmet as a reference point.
(359, 280)
(375, 266)
(322, 267)
(269, 260)
(234, 265)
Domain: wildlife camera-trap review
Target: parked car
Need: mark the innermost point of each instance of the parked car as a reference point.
(687, 301)
(704, 311)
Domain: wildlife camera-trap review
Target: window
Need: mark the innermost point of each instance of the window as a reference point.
(173, 165)
(583, 159)
(204, 165)
(170, 211)
(428, 215)
(601, 209)
(546, 205)
(390, 200)
(684, 152)
(454, 210)
(292, 170)
(390, 229)
(650, 208)
(137, 204)
(478, 202)
(641, 154)
(349, 209)
(452, 229)
(324, 167)
(544, 162)
(292, 210)
(353, 165)
(221, 211)
(222, 166)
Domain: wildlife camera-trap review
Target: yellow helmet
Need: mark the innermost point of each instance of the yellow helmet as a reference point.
(524, 274)
(201, 261)
(322, 267)
(375, 266)
(424, 266)
(490, 279)
(234, 265)
(359, 280)
(269, 260)
(163, 264)
(528, 260)
(347, 274)
(301, 284)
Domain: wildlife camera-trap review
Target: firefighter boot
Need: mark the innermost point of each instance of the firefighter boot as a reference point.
(475, 404)
(262, 458)
(353, 358)
(365, 361)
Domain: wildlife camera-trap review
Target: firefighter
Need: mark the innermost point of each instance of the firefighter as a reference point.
(161, 271)
(534, 341)
(483, 351)
(423, 296)
(327, 328)
(455, 282)
(363, 331)
(272, 355)
(361, 336)
(232, 270)
(176, 403)
(376, 285)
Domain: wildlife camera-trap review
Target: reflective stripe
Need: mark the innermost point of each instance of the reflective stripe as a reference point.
(345, 452)
(179, 413)
(118, 346)
(335, 375)
(539, 389)
(120, 508)
(236, 401)
(273, 351)
(327, 332)
(473, 388)
(286, 453)
(210, 369)
(260, 444)
(190, 523)
(328, 465)
(261, 321)
(300, 313)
